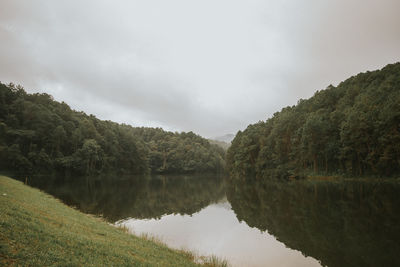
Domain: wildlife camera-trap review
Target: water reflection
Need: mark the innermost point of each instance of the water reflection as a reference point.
(215, 230)
(251, 223)
(118, 198)
(352, 223)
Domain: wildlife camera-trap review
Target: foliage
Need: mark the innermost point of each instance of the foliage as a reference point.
(352, 129)
(38, 134)
(180, 152)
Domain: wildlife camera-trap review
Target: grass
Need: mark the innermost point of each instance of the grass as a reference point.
(38, 230)
(213, 261)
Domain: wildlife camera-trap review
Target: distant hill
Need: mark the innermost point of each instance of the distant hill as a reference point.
(352, 129)
(222, 144)
(227, 138)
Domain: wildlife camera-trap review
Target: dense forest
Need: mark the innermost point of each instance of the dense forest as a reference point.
(41, 135)
(348, 223)
(352, 129)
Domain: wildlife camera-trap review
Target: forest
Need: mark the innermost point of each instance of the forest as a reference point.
(352, 129)
(40, 135)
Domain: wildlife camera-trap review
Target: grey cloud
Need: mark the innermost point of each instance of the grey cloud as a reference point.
(208, 66)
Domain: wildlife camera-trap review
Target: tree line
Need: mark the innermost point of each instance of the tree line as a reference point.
(41, 135)
(352, 129)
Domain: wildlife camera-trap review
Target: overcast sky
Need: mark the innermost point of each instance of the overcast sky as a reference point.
(208, 66)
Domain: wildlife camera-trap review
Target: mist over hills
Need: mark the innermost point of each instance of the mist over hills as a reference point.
(227, 138)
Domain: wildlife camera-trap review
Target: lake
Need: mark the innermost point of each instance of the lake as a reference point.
(249, 223)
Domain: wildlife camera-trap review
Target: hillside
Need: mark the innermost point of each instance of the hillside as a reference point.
(40, 135)
(221, 144)
(352, 129)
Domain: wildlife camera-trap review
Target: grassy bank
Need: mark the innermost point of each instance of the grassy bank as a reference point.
(38, 230)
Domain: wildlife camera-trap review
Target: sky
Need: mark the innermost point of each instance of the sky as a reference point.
(207, 66)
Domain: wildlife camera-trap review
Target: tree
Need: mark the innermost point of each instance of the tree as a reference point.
(351, 129)
(91, 154)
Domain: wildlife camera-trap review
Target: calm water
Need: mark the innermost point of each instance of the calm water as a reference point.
(298, 223)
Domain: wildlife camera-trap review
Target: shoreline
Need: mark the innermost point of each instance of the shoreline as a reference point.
(38, 229)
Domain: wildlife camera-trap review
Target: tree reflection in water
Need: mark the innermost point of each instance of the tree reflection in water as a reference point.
(346, 223)
(135, 196)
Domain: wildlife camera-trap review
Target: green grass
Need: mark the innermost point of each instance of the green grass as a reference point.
(38, 230)
(213, 261)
